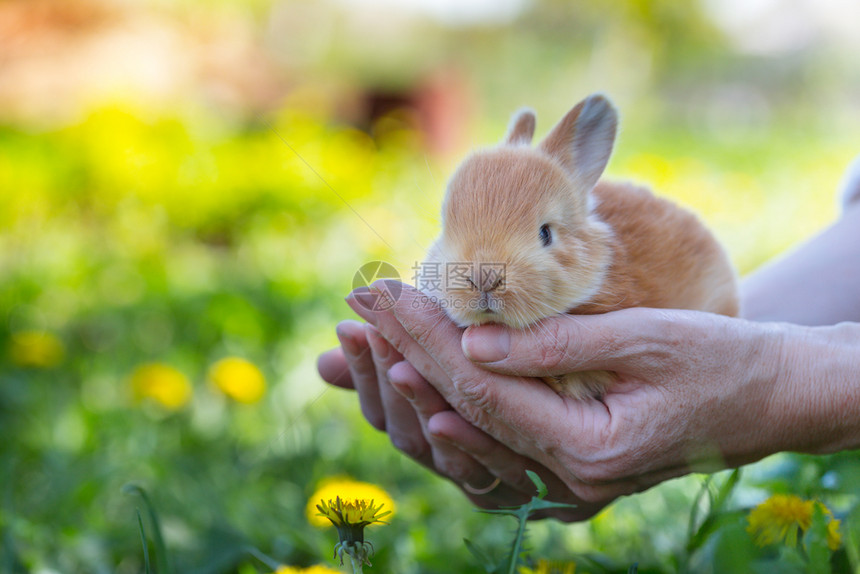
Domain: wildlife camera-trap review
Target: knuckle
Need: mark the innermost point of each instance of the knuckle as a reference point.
(551, 448)
(586, 469)
(555, 345)
(479, 403)
(610, 345)
(590, 485)
(479, 418)
(476, 390)
(593, 475)
(667, 346)
(422, 331)
(391, 345)
(589, 494)
(669, 330)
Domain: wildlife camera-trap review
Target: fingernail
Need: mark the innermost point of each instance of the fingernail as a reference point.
(404, 388)
(486, 344)
(380, 347)
(367, 299)
(348, 343)
(439, 435)
(362, 302)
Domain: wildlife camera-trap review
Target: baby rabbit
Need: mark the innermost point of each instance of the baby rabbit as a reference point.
(530, 232)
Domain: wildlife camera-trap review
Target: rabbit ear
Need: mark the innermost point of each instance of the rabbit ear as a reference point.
(582, 141)
(522, 128)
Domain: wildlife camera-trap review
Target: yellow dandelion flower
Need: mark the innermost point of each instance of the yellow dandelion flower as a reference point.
(350, 506)
(36, 349)
(349, 490)
(351, 516)
(549, 567)
(779, 518)
(782, 517)
(239, 379)
(834, 537)
(162, 383)
(317, 569)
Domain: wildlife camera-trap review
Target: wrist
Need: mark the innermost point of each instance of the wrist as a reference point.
(815, 399)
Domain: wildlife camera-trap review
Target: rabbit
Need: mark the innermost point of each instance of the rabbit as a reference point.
(528, 233)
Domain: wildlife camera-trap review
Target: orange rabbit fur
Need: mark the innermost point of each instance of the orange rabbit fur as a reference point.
(559, 241)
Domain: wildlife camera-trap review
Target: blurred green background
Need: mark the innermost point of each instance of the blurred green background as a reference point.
(186, 181)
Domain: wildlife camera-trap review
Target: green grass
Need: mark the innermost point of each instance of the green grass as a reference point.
(183, 241)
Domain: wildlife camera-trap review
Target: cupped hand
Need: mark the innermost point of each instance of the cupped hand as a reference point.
(696, 391)
(396, 398)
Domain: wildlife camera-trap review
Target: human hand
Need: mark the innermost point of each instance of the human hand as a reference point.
(696, 390)
(425, 427)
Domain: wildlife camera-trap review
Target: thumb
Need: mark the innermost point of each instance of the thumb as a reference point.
(565, 343)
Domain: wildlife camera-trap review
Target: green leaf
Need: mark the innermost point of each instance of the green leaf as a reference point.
(158, 539)
(815, 542)
(270, 562)
(732, 549)
(712, 520)
(146, 567)
(516, 547)
(694, 510)
(8, 545)
(712, 524)
(725, 491)
(521, 514)
(507, 511)
(851, 537)
(538, 504)
(483, 556)
(791, 560)
(539, 484)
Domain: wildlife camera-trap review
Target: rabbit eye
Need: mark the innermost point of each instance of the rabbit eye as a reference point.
(545, 235)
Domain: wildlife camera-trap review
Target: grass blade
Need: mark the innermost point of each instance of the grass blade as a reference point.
(146, 565)
(157, 538)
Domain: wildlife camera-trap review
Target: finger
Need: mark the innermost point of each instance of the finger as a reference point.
(462, 384)
(501, 406)
(414, 387)
(447, 459)
(333, 368)
(496, 457)
(511, 468)
(403, 341)
(516, 487)
(362, 371)
(566, 343)
(401, 422)
(466, 387)
(365, 302)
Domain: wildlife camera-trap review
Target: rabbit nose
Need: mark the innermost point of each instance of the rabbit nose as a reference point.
(487, 282)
